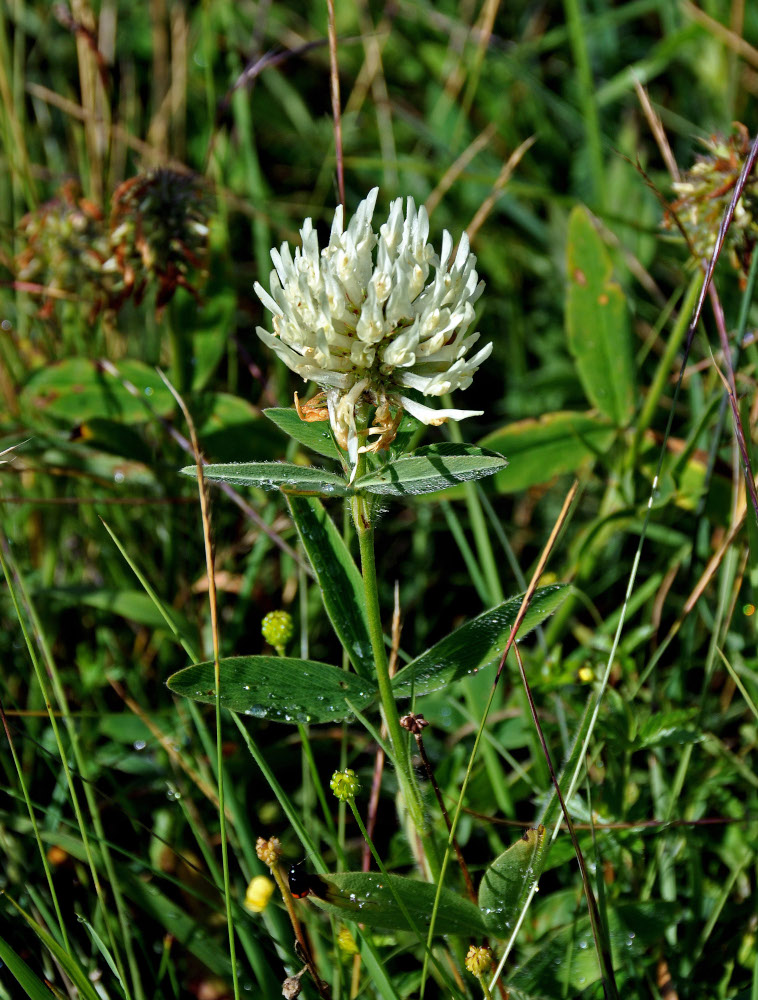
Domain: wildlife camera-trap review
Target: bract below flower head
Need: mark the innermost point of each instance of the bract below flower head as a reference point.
(363, 318)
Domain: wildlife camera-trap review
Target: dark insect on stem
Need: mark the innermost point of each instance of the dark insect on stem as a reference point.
(303, 883)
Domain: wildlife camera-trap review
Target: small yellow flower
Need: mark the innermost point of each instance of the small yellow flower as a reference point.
(586, 674)
(478, 961)
(345, 784)
(268, 851)
(346, 942)
(258, 894)
(277, 629)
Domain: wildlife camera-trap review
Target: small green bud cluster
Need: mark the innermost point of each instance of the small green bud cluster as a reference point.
(277, 629)
(345, 784)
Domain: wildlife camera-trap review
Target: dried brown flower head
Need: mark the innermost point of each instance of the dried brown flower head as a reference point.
(64, 246)
(704, 193)
(159, 231)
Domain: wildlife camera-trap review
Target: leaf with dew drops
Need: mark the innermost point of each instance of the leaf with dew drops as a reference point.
(277, 688)
(475, 645)
(506, 879)
(276, 475)
(367, 897)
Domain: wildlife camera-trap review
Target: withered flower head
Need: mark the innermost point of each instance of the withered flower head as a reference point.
(159, 231)
(704, 193)
(64, 247)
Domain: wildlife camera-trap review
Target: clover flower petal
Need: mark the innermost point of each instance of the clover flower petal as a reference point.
(363, 318)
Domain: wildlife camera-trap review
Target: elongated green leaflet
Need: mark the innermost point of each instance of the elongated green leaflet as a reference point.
(506, 879)
(276, 475)
(315, 436)
(432, 468)
(338, 577)
(33, 987)
(77, 389)
(597, 322)
(566, 963)
(555, 444)
(475, 645)
(278, 688)
(368, 899)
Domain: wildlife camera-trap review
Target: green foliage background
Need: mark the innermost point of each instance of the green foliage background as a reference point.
(436, 98)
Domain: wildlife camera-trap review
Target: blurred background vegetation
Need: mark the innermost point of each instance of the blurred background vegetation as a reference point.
(153, 153)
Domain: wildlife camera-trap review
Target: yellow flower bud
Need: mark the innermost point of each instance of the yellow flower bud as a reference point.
(268, 851)
(478, 961)
(346, 942)
(258, 893)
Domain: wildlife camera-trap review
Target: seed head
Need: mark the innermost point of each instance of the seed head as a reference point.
(704, 193)
(277, 629)
(478, 961)
(345, 784)
(268, 851)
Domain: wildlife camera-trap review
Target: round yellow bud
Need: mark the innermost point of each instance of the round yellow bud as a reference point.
(258, 893)
(346, 942)
(478, 961)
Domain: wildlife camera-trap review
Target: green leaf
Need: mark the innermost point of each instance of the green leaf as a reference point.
(80, 460)
(506, 879)
(475, 645)
(409, 428)
(675, 728)
(302, 479)
(208, 327)
(126, 729)
(69, 963)
(104, 951)
(228, 426)
(115, 437)
(191, 933)
(134, 605)
(597, 323)
(316, 436)
(77, 390)
(33, 987)
(432, 468)
(540, 449)
(278, 688)
(565, 963)
(338, 577)
(368, 899)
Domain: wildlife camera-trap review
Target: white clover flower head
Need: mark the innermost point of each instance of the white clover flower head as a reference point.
(364, 320)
